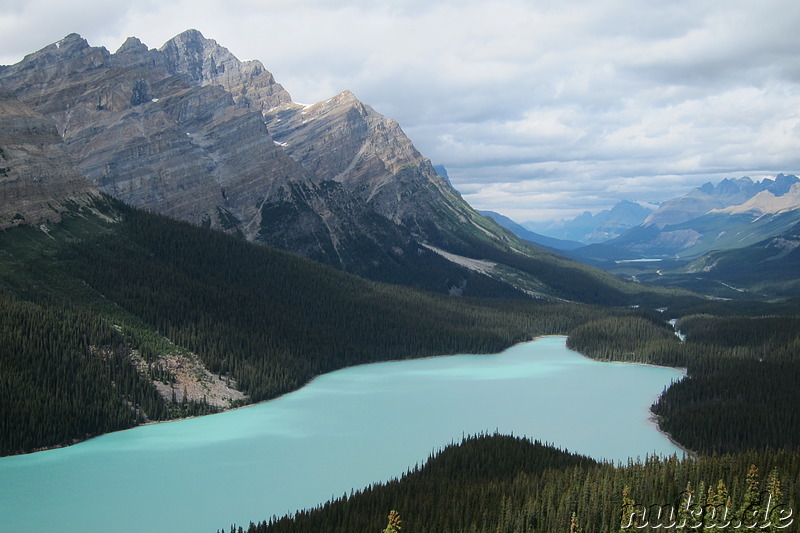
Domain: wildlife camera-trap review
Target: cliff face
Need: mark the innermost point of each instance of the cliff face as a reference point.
(344, 140)
(153, 137)
(191, 132)
(183, 131)
(203, 62)
(38, 178)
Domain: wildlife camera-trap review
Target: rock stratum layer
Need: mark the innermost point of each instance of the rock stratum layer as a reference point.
(191, 132)
(38, 178)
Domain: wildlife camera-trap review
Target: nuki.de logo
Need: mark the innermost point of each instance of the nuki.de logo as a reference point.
(713, 510)
(693, 515)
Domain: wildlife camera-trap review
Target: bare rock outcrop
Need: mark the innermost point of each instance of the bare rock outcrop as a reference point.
(153, 136)
(191, 132)
(38, 178)
(204, 62)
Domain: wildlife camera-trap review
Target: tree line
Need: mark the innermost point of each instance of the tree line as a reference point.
(741, 389)
(90, 293)
(511, 484)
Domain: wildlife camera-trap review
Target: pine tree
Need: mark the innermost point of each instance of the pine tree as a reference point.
(689, 510)
(631, 515)
(775, 512)
(395, 524)
(717, 513)
(573, 524)
(751, 502)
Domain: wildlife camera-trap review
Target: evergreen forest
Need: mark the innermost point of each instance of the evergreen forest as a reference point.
(94, 292)
(84, 303)
(510, 484)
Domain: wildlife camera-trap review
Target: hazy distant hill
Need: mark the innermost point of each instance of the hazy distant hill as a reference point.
(587, 228)
(732, 214)
(528, 235)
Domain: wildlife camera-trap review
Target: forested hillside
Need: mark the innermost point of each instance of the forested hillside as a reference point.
(266, 322)
(508, 484)
(742, 372)
(94, 306)
(737, 409)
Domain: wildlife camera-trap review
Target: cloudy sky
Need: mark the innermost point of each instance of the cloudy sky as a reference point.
(538, 109)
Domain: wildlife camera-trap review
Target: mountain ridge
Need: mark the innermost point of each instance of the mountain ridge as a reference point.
(191, 132)
(587, 228)
(531, 236)
(734, 213)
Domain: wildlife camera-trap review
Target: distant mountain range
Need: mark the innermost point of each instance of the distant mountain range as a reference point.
(732, 239)
(735, 239)
(732, 214)
(191, 132)
(587, 228)
(531, 236)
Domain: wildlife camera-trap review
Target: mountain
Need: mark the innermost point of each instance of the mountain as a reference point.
(38, 179)
(768, 268)
(150, 136)
(191, 132)
(768, 202)
(731, 214)
(530, 236)
(587, 228)
(709, 197)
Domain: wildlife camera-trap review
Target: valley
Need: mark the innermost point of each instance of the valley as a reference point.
(178, 238)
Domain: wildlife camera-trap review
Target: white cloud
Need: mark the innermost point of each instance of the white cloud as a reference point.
(532, 107)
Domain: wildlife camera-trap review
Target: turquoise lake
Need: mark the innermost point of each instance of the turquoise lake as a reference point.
(343, 431)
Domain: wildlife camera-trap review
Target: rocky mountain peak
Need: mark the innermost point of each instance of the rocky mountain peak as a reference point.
(204, 62)
(726, 193)
(72, 42)
(768, 202)
(345, 97)
(194, 57)
(58, 60)
(782, 184)
(343, 139)
(132, 45)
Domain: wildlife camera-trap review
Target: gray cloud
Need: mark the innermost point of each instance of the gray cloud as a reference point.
(538, 110)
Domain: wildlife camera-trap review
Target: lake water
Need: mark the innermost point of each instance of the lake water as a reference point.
(345, 430)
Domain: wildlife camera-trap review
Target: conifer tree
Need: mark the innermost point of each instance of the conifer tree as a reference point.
(395, 524)
(775, 495)
(717, 512)
(689, 510)
(751, 501)
(631, 515)
(573, 524)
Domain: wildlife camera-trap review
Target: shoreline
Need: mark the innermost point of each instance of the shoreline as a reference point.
(652, 419)
(245, 406)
